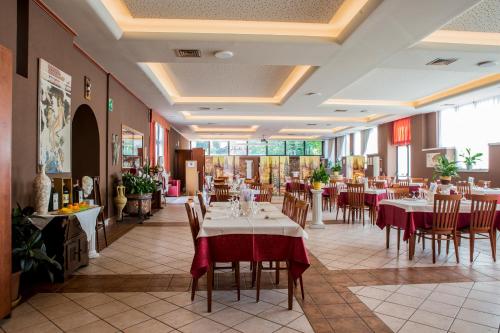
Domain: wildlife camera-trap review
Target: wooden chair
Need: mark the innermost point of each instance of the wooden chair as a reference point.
(464, 188)
(340, 188)
(288, 204)
(203, 207)
(266, 193)
(404, 183)
(418, 180)
(444, 223)
(299, 216)
(100, 222)
(355, 202)
(330, 196)
(194, 225)
(396, 193)
(482, 222)
(484, 183)
(380, 185)
(221, 192)
(295, 187)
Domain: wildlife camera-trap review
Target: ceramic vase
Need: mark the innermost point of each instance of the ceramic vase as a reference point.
(120, 200)
(42, 186)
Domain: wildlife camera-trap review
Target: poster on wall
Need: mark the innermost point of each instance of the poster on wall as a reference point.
(116, 149)
(431, 159)
(54, 118)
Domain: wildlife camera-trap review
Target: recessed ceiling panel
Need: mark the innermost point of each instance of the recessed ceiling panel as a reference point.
(230, 80)
(484, 17)
(310, 11)
(404, 84)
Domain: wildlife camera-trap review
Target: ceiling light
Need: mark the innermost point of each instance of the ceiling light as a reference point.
(487, 63)
(312, 124)
(363, 111)
(224, 54)
(221, 136)
(204, 108)
(441, 61)
(197, 128)
(297, 137)
(313, 93)
(340, 110)
(292, 131)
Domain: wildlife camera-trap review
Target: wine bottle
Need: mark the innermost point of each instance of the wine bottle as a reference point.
(77, 193)
(65, 196)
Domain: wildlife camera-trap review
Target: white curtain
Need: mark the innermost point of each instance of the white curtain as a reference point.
(365, 136)
(341, 151)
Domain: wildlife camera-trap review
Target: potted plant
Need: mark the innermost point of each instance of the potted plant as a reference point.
(138, 187)
(445, 169)
(319, 176)
(29, 256)
(470, 159)
(336, 169)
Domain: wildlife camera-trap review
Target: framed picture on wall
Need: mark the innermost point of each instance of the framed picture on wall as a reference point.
(116, 149)
(54, 118)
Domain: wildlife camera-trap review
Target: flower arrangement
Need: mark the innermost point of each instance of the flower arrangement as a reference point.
(470, 159)
(445, 169)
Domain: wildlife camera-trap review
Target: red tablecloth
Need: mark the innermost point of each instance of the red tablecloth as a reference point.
(371, 199)
(410, 221)
(229, 248)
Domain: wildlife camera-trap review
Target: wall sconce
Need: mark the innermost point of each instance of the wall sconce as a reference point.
(87, 88)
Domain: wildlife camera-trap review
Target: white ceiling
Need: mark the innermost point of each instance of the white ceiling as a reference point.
(318, 11)
(383, 58)
(484, 17)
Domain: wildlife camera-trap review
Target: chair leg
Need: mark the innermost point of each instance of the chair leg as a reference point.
(104, 231)
(259, 271)
(455, 242)
(277, 273)
(97, 238)
(493, 242)
(387, 235)
(471, 247)
(193, 288)
(433, 249)
(301, 286)
(439, 245)
(447, 245)
(254, 272)
(399, 238)
(237, 277)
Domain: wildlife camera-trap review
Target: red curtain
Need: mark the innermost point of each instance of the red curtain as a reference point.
(401, 134)
(152, 143)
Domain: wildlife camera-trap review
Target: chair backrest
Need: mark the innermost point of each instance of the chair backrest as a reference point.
(417, 180)
(395, 193)
(356, 195)
(266, 193)
(288, 204)
(256, 186)
(221, 192)
(295, 185)
(403, 183)
(332, 190)
(445, 214)
(380, 185)
(483, 211)
(464, 188)
(193, 221)
(202, 204)
(300, 212)
(484, 183)
(97, 192)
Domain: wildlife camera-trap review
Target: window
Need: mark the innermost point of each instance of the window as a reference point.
(160, 145)
(372, 144)
(471, 126)
(256, 147)
(237, 148)
(314, 148)
(219, 147)
(276, 148)
(295, 148)
(201, 144)
(347, 143)
(357, 143)
(403, 156)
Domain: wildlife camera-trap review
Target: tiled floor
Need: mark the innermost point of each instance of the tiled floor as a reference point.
(443, 307)
(157, 312)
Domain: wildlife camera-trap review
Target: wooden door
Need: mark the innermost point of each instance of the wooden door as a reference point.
(180, 158)
(198, 155)
(5, 176)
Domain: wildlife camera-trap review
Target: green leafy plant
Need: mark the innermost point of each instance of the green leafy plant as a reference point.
(470, 159)
(29, 254)
(320, 176)
(135, 184)
(337, 167)
(445, 168)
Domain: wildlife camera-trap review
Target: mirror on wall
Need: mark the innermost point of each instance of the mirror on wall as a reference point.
(132, 148)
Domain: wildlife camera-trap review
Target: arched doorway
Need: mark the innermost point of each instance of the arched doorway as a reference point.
(84, 143)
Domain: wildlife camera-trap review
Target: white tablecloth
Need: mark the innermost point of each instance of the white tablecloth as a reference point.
(370, 191)
(87, 219)
(478, 190)
(219, 221)
(420, 205)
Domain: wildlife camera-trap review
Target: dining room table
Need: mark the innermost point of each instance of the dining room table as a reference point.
(263, 233)
(410, 214)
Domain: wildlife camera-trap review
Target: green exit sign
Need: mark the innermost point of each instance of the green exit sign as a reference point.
(110, 105)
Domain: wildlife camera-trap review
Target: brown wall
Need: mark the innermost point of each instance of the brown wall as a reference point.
(424, 135)
(175, 141)
(50, 41)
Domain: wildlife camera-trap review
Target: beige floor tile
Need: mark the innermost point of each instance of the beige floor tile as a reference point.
(139, 299)
(109, 309)
(75, 320)
(157, 308)
(403, 299)
(61, 310)
(477, 305)
(440, 308)
(183, 299)
(230, 316)
(461, 326)
(432, 319)
(256, 324)
(279, 315)
(46, 327)
(126, 319)
(178, 318)
(411, 327)
(301, 324)
(478, 317)
(251, 306)
(392, 322)
(203, 325)
(200, 307)
(149, 326)
(395, 310)
(44, 300)
(22, 321)
(94, 300)
(99, 326)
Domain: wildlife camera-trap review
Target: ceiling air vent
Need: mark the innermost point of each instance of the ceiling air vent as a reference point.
(340, 110)
(441, 62)
(186, 53)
